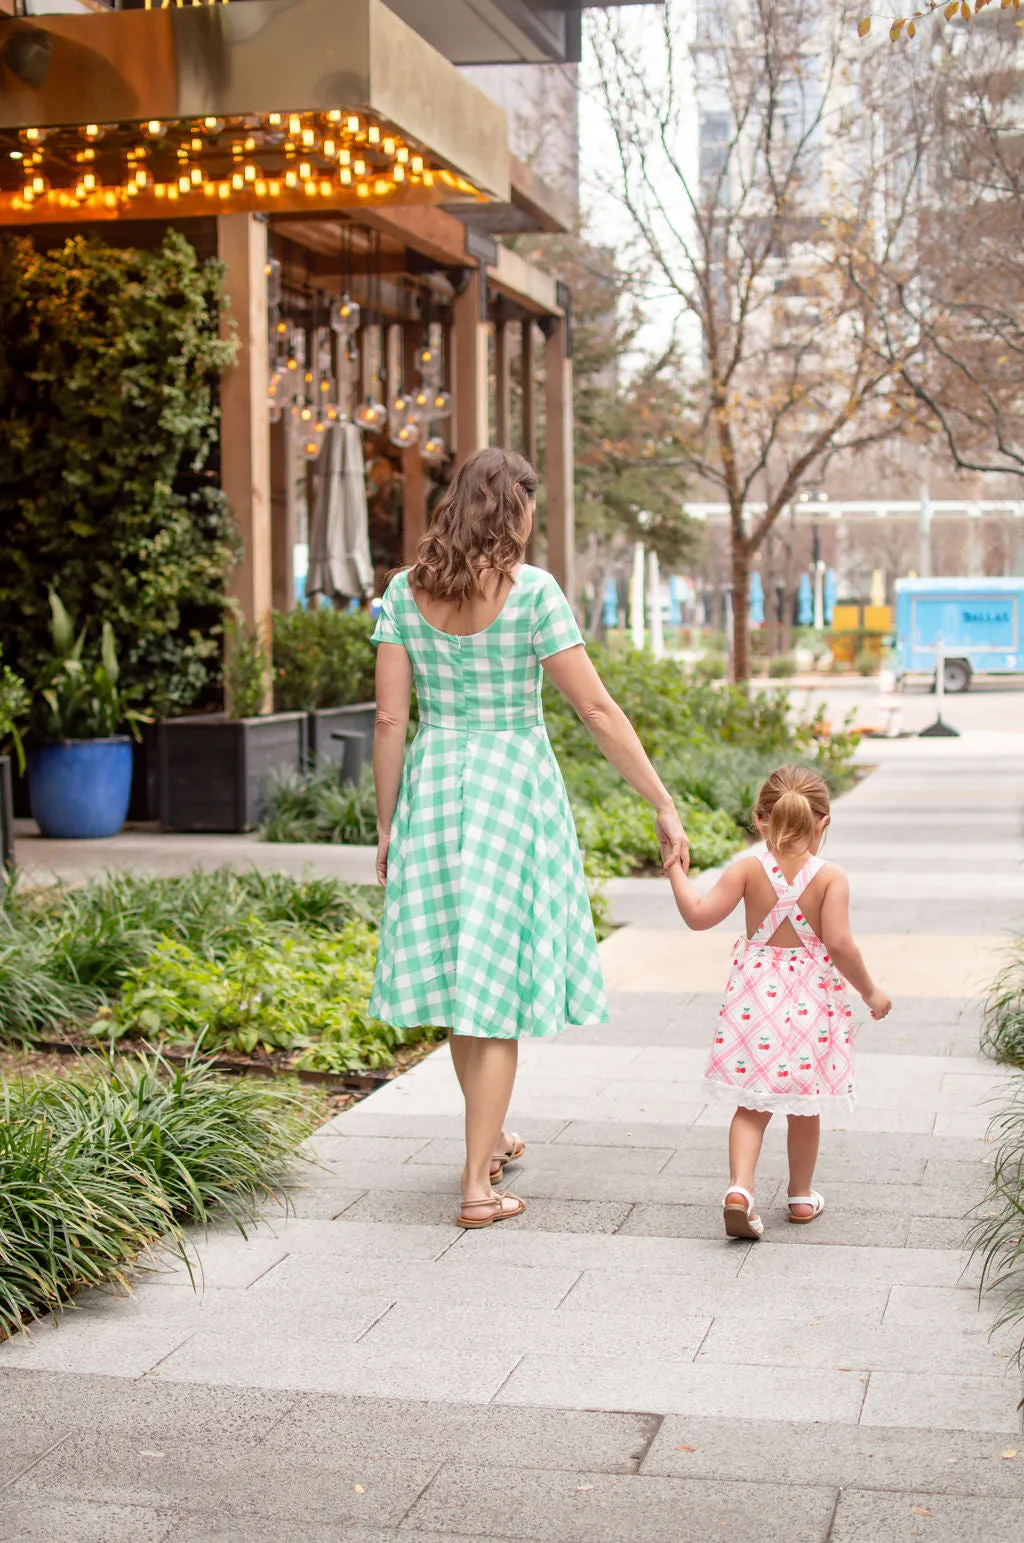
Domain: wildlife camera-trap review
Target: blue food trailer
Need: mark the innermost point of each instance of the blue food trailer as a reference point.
(977, 622)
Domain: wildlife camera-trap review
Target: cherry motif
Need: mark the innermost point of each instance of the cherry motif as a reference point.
(771, 991)
(764, 1043)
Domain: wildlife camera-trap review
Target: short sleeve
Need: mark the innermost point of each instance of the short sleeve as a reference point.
(554, 625)
(387, 629)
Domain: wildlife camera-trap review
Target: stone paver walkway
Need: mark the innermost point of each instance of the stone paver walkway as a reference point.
(608, 1367)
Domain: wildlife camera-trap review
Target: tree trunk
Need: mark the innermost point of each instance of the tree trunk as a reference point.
(771, 600)
(740, 611)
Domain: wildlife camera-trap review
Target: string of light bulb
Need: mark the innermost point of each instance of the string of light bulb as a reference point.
(286, 159)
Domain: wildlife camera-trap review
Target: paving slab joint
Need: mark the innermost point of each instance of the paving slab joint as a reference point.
(830, 1529)
(625, 1219)
(28, 1468)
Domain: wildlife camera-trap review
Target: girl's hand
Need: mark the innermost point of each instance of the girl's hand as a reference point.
(878, 1003)
(672, 839)
(383, 842)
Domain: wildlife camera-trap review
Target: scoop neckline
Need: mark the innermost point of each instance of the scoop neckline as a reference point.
(461, 637)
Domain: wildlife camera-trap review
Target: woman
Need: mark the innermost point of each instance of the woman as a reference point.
(487, 926)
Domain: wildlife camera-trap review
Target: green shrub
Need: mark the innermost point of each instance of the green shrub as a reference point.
(66, 950)
(322, 658)
(711, 665)
(317, 806)
(782, 667)
(269, 991)
(108, 380)
(867, 663)
(245, 671)
(94, 1167)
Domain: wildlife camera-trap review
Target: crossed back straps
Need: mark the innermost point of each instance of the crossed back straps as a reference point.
(787, 905)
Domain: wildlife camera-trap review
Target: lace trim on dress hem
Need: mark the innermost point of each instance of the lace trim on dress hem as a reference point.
(778, 1103)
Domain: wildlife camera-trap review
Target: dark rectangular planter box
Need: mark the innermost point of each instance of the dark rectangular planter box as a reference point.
(351, 753)
(6, 820)
(145, 804)
(212, 769)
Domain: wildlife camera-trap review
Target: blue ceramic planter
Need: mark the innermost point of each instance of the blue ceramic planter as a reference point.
(80, 789)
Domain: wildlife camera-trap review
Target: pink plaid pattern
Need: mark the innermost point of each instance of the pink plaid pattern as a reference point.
(784, 1038)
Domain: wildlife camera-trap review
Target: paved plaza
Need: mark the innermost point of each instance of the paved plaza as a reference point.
(608, 1367)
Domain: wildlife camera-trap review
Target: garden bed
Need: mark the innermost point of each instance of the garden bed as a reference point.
(270, 972)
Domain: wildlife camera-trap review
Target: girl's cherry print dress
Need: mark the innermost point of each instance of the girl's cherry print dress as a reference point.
(784, 1040)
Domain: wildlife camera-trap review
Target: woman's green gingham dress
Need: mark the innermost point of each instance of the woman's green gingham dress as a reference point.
(487, 927)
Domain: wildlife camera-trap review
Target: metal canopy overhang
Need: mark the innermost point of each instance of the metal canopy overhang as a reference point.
(263, 56)
(503, 31)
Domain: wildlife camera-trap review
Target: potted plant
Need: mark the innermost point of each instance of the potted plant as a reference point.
(14, 705)
(213, 766)
(79, 766)
(324, 662)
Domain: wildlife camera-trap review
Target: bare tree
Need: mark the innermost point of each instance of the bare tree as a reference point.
(966, 293)
(753, 161)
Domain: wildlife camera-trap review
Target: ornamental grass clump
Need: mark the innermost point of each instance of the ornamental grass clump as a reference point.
(96, 1166)
(1002, 1034)
(997, 1237)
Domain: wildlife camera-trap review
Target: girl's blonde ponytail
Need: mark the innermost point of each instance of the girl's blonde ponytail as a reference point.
(791, 802)
(791, 823)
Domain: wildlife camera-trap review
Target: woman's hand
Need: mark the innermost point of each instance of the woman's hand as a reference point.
(383, 843)
(672, 838)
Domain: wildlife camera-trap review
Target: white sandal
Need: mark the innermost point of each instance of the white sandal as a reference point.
(813, 1199)
(740, 1222)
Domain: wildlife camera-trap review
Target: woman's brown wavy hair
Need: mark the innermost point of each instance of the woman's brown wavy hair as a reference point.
(479, 527)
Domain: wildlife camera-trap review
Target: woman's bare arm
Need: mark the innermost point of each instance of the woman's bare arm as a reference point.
(574, 675)
(394, 694)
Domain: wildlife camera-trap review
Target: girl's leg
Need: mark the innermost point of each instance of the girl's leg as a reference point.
(486, 1069)
(746, 1134)
(802, 1144)
(462, 1050)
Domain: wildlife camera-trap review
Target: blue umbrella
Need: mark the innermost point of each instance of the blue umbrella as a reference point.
(611, 602)
(829, 595)
(804, 602)
(756, 600)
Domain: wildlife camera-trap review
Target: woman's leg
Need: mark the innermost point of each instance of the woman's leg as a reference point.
(486, 1069)
(462, 1051)
(746, 1134)
(802, 1145)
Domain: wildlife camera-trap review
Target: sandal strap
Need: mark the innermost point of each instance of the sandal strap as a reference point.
(737, 1189)
(812, 1199)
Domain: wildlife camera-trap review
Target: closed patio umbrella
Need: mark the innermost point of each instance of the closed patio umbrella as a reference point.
(339, 533)
(756, 599)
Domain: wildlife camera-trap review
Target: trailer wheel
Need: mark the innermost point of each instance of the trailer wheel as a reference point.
(956, 676)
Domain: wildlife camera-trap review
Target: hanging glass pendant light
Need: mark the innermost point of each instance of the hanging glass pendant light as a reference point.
(371, 415)
(433, 451)
(405, 436)
(345, 316)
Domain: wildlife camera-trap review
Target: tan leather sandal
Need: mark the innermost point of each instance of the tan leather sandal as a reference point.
(499, 1159)
(499, 1212)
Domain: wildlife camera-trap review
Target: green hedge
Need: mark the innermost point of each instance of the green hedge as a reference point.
(108, 389)
(322, 658)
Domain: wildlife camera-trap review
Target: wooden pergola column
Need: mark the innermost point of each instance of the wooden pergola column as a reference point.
(245, 421)
(469, 373)
(561, 508)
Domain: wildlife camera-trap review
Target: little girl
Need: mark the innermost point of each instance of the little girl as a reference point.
(783, 1043)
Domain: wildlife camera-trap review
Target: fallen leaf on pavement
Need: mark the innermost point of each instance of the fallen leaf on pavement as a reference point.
(583, 1486)
(686, 1449)
(1010, 1452)
(921, 1510)
(359, 1489)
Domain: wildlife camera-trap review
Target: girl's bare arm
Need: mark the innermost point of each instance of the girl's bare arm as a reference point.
(837, 937)
(700, 912)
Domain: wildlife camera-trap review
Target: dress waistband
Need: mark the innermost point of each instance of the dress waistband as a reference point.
(473, 726)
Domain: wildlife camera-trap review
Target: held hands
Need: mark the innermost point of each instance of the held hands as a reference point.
(878, 1003)
(383, 842)
(672, 839)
